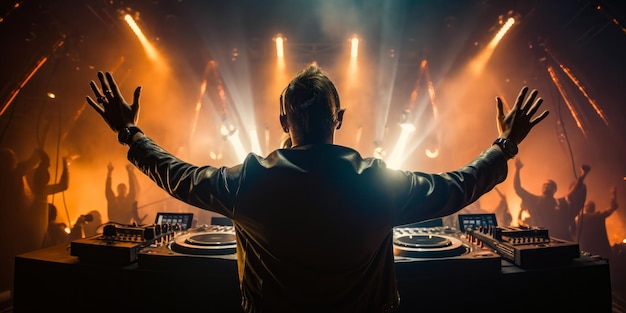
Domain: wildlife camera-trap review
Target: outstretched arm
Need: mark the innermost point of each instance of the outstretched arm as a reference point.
(63, 183)
(132, 182)
(584, 170)
(503, 209)
(449, 192)
(108, 189)
(517, 183)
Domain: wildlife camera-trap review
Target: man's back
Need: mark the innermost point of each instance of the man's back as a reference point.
(314, 223)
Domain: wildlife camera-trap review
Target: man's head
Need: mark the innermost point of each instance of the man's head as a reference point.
(121, 190)
(309, 107)
(549, 188)
(590, 207)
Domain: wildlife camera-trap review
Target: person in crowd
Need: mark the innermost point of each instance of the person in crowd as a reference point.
(122, 207)
(37, 219)
(57, 234)
(14, 202)
(316, 198)
(592, 226)
(555, 214)
(92, 228)
(503, 214)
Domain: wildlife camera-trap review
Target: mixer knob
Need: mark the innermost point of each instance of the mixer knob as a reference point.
(109, 231)
(149, 233)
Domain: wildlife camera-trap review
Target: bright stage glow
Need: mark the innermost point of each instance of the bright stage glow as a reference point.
(397, 155)
(432, 154)
(231, 134)
(379, 153)
(478, 64)
(505, 28)
(51, 95)
(254, 139)
(354, 50)
(280, 52)
(150, 51)
(215, 155)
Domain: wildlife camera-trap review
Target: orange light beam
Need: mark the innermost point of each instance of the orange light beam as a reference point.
(481, 60)
(30, 75)
(571, 76)
(584, 92)
(563, 93)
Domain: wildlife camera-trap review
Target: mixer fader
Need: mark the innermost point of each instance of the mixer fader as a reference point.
(526, 247)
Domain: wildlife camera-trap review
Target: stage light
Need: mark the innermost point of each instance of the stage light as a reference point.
(234, 54)
(354, 50)
(150, 51)
(432, 154)
(215, 155)
(51, 95)
(280, 40)
(505, 28)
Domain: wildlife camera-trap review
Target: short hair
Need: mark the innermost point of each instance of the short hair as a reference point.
(311, 103)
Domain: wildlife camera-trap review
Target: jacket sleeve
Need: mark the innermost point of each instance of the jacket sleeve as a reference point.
(205, 187)
(436, 195)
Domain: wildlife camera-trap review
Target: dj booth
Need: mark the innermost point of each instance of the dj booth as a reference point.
(439, 269)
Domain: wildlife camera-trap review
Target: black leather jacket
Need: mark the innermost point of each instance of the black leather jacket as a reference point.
(314, 223)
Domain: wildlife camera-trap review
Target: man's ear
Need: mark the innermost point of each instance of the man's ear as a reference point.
(284, 123)
(340, 118)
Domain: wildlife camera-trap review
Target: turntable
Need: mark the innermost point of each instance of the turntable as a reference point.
(429, 246)
(441, 251)
(206, 240)
(207, 245)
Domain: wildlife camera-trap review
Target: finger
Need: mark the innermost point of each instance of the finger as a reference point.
(521, 96)
(535, 107)
(136, 96)
(499, 109)
(539, 118)
(115, 91)
(530, 100)
(95, 106)
(95, 89)
(135, 106)
(106, 89)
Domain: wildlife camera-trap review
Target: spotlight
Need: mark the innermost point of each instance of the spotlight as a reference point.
(354, 51)
(280, 40)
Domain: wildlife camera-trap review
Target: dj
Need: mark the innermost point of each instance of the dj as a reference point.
(314, 222)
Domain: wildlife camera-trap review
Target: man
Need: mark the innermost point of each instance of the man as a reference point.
(314, 222)
(592, 227)
(122, 208)
(556, 214)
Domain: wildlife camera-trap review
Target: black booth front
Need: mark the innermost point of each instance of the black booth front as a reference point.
(167, 280)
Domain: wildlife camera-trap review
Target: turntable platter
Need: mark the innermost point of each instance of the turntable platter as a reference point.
(205, 243)
(429, 246)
